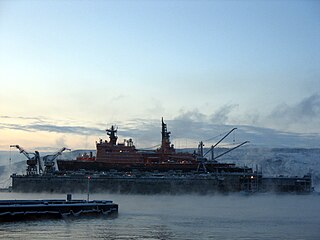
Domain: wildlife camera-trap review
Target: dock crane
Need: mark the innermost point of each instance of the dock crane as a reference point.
(203, 160)
(32, 162)
(49, 161)
(213, 158)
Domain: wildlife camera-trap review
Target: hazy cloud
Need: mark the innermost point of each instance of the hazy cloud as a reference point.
(221, 116)
(52, 128)
(147, 133)
(302, 117)
(61, 141)
(118, 97)
(195, 126)
(15, 127)
(20, 117)
(156, 107)
(64, 129)
(308, 108)
(193, 115)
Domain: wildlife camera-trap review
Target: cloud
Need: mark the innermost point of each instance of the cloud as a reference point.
(156, 107)
(196, 126)
(278, 129)
(61, 141)
(308, 108)
(221, 116)
(119, 97)
(19, 117)
(64, 129)
(301, 117)
(41, 125)
(193, 115)
(193, 125)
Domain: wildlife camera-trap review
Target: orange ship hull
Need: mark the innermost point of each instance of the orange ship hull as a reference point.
(125, 157)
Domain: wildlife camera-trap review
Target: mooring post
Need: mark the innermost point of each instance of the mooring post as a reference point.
(88, 189)
(69, 197)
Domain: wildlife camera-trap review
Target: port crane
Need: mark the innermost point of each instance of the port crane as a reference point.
(32, 162)
(49, 161)
(201, 157)
(213, 158)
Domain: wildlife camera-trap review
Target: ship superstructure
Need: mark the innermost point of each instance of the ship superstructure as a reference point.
(125, 157)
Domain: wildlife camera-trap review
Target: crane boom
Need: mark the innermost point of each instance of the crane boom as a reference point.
(224, 137)
(49, 160)
(32, 162)
(52, 157)
(24, 152)
(212, 147)
(231, 149)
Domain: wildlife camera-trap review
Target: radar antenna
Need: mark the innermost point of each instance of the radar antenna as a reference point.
(112, 133)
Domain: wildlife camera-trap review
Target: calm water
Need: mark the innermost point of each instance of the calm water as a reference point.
(182, 217)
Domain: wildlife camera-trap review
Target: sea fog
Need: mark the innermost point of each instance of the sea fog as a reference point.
(232, 216)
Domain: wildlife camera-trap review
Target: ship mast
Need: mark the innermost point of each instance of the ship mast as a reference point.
(166, 146)
(112, 135)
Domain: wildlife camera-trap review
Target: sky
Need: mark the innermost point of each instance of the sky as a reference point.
(70, 69)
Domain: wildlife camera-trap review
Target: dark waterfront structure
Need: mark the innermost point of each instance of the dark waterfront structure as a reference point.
(171, 183)
(287, 184)
(16, 210)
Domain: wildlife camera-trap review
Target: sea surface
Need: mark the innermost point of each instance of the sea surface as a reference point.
(232, 216)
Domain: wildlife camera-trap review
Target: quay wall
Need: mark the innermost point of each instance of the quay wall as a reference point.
(71, 184)
(150, 185)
